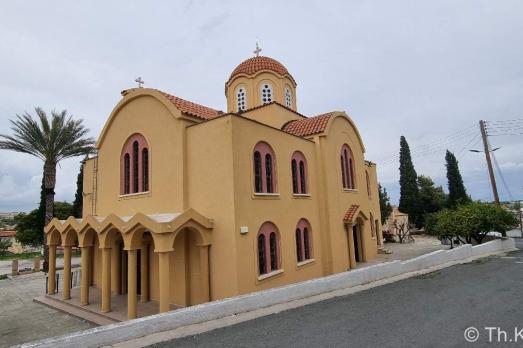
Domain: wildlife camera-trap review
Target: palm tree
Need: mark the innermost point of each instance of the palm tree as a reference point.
(51, 141)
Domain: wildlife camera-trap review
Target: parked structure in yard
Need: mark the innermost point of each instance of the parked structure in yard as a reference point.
(185, 204)
(395, 219)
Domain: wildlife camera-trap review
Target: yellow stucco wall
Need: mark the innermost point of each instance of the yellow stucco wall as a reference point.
(208, 167)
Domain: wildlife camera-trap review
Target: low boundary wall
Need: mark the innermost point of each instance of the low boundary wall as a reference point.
(114, 333)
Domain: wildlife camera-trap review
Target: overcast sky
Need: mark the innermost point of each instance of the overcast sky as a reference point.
(429, 70)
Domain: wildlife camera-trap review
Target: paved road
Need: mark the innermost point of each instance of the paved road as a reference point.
(431, 310)
(22, 320)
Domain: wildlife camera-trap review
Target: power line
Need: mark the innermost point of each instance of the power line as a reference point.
(502, 177)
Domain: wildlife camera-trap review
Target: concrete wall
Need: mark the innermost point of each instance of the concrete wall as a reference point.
(111, 334)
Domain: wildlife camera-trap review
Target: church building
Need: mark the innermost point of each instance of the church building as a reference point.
(185, 204)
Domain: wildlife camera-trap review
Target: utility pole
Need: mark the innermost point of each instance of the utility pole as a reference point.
(489, 162)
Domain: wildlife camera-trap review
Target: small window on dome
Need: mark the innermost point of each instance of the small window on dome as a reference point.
(266, 93)
(241, 99)
(288, 98)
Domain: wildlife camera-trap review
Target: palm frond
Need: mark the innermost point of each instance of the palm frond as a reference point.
(50, 140)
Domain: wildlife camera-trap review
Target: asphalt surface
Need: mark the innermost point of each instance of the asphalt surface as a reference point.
(432, 310)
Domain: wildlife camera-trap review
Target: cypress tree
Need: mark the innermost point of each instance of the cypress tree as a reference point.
(385, 206)
(457, 193)
(409, 192)
(78, 196)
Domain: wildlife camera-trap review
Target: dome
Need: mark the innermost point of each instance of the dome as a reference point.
(253, 65)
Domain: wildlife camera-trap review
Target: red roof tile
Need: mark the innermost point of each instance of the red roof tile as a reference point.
(191, 108)
(252, 65)
(187, 107)
(349, 215)
(308, 126)
(7, 233)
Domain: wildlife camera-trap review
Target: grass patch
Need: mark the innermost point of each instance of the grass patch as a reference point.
(3, 276)
(23, 256)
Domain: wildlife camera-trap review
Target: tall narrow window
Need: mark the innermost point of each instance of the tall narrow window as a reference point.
(264, 164)
(372, 226)
(261, 254)
(145, 169)
(306, 245)
(303, 241)
(268, 173)
(134, 166)
(369, 193)
(288, 97)
(257, 172)
(127, 174)
(266, 93)
(268, 248)
(299, 173)
(294, 171)
(241, 99)
(299, 253)
(347, 168)
(302, 177)
(274, 255)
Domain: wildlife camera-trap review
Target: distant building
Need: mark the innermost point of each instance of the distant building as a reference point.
(9, 215)
(395, 218)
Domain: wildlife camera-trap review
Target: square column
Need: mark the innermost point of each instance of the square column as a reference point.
(51, 274)
(350, 238)
(66, 292)
(86, 271)
(164, 281)
(204, 274)
(144, 273)
(116, 261)
(106, 280)
(131, 283)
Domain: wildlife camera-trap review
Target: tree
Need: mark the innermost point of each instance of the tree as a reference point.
(431, 198)
(78, 196)
(472, 221)
(409, 193)
(481, 218)
(457, 193)
(5, 243)
(385, 206)
(29, 226)
(51, 141)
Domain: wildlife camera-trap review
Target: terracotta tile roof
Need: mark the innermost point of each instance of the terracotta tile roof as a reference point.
(349, 215)
(308, 126)
(187, 107)
(7, 233)
(252, 65)
(193, 109)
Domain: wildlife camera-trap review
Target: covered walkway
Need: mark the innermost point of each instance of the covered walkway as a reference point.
(129, 263)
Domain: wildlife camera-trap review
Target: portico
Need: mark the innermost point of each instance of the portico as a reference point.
(160, 258)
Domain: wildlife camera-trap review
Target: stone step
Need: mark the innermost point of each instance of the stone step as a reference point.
(82, 313)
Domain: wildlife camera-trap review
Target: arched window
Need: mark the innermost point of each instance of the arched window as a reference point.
(241, 98)
(268, 173)
(264, 164)
(303, 241)
(127, 174)
(266, 93)
(262, 266)
(258, 186)
(268, 248)
(299, 173)
(299, 248)
(288, 97)
(372, 226)
(294, 170)
(145, 169)
(134, 166)
(347, 168)
(369, 192)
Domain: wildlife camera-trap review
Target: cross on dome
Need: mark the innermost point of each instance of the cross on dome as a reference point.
(257, 50)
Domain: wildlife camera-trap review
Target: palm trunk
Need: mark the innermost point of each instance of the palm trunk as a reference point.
(49, 185)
